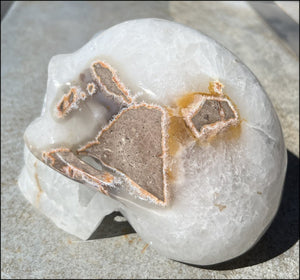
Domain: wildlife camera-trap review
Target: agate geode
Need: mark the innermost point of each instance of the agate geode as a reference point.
(160, 122)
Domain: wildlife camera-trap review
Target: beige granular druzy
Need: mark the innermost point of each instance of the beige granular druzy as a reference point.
(223, 159)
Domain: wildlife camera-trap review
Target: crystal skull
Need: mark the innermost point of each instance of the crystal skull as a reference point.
(173, 132)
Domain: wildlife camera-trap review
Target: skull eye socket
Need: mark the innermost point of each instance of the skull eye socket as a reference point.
(207, 115)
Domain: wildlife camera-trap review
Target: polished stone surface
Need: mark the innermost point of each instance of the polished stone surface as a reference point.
(31, 246)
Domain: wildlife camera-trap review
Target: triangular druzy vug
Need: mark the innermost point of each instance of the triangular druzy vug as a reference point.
(134, 144)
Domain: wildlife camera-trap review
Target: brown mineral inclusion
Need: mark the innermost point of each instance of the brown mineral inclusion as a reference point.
(229, 114)
(99, 77)
(206, 115)
(210, 113)
(65, 105)
(65, 162)
(133, 145)
(107, 78)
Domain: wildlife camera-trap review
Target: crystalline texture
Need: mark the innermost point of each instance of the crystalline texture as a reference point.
(132, 144)
(223, 154)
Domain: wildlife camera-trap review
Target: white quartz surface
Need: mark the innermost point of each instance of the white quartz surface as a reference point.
(31, 245)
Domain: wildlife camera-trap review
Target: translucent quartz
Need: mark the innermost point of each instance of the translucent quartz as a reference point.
(224, 192)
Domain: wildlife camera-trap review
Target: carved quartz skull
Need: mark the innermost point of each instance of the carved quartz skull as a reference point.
(160, 122)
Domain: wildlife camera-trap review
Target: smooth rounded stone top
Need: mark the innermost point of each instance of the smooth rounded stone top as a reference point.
(218, 162)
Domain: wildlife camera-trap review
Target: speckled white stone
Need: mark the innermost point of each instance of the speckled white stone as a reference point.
(246, 174)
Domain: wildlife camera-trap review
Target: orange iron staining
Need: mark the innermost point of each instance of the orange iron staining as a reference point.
(206, 115)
